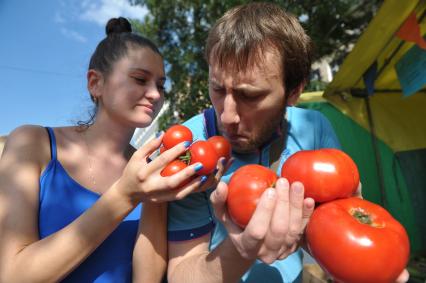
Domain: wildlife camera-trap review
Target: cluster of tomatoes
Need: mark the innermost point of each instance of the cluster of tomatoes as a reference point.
(353, 239)
(205, 152)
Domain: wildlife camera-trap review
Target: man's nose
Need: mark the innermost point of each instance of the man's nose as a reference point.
(230, 111)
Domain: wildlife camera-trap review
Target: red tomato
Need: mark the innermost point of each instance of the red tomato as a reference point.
(327, 174)
(221, 145)
(204, 152)
(175, 135)
(357, 241)
(246, 186)
(174, 167)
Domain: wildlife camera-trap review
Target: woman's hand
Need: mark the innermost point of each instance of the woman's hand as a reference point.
(141, 179)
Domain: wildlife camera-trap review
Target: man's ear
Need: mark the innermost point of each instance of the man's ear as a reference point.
(94, 84)
(295, 94)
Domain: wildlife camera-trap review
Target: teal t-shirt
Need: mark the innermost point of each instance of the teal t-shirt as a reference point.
(193, 216)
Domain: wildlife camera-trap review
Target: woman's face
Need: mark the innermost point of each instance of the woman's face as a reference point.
(133, 93)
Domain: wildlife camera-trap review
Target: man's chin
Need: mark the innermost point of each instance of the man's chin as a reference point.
(243, 148)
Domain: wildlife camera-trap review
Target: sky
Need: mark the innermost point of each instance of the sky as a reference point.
(45, 48)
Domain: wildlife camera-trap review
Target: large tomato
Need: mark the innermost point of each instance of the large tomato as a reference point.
(246, 186)
(174, 167)
(357, 241)
(175, 135)
(327, 174)
(204, 152)
(221, 145)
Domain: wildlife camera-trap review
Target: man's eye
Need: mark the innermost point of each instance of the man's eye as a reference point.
(219, 89)
(140, 80)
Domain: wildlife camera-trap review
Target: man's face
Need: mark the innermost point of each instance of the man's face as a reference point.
(249, 105)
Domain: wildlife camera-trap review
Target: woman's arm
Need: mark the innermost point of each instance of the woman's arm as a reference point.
(150, 253)
(26, 258)
(23, 256)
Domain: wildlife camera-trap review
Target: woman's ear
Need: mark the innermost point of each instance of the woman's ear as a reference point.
(94, 84)
(293, 97)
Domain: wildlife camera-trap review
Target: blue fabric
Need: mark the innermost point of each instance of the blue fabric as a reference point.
(62, 200)
(307, 129)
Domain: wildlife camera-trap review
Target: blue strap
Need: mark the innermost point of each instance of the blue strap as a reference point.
(210, 121)
(52, 142)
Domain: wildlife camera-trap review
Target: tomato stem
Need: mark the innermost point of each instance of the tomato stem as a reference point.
(362, 216)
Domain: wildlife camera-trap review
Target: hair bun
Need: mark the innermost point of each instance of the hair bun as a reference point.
(117, 25)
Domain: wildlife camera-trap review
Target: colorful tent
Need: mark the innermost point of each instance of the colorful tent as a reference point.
(377, 105)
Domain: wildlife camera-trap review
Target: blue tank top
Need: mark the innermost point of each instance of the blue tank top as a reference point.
(62, 200)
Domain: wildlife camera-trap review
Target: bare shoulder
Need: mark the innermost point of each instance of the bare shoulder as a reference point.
(29, 143)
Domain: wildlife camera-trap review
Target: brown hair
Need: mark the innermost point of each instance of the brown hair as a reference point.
(241, 36)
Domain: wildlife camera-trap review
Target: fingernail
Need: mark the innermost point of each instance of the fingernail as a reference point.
(198, 167)
(157, 134)
(297, 189)
(223, 161)
(203, 179)
(186, 144)
(270, 193)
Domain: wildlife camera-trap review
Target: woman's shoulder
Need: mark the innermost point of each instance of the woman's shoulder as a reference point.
(30, 142)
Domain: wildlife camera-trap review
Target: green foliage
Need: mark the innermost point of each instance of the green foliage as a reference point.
(180, 29)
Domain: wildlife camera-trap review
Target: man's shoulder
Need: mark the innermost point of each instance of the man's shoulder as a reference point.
(197, 126)
(294, 112)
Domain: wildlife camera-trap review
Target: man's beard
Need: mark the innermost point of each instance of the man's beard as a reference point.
(265, 134)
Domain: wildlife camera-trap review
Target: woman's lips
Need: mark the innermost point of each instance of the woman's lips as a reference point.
(148, 107)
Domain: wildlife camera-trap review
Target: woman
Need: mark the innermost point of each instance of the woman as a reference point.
(70, 196)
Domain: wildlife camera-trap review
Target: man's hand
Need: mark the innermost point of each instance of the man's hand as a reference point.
(276, 226)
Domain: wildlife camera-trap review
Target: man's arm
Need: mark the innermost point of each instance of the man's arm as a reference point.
(191, 261)
(272, 233)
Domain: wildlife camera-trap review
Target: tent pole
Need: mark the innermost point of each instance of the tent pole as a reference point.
(376, 151)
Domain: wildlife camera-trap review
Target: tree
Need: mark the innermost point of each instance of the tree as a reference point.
(180, 29)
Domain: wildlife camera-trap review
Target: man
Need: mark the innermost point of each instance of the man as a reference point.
(259, 61)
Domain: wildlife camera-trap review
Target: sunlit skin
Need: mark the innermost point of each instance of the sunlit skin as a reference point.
(134, 92)
(248, 103)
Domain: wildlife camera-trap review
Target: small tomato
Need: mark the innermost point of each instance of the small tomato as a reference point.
(221, 145)
(174, 167)
(204, 152)
(175, 135)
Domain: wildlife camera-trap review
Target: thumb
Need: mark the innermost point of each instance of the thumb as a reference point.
(218, 199)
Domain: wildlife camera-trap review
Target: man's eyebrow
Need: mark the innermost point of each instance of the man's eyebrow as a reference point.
(147, 72)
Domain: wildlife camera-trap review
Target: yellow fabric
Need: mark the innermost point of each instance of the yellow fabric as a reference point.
(315, 96)
(399, 121)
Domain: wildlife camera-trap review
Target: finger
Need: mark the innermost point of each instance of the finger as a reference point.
(296, 210)
(258, 225)
(214, 179)
(358, 192)
(174, 181)
(169, 155)
(308, 209)
(148, 148)
(178, 194)
(222, 167)
(276, 235)
(403, 277)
